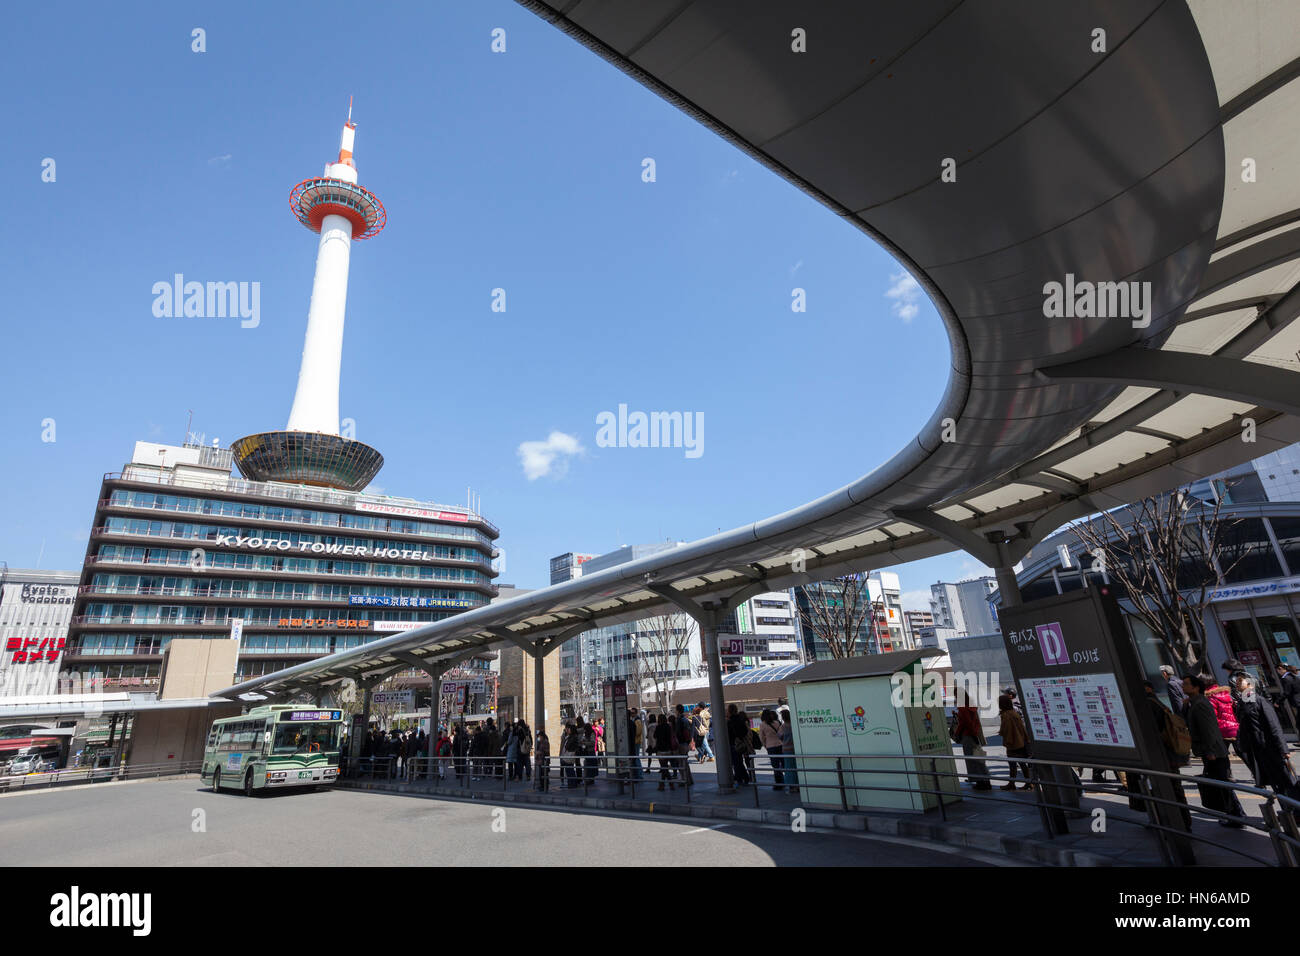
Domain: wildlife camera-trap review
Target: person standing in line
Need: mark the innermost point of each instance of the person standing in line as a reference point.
(1174, 691)
(970, 735)
(598, 735)
(1263, 746)
(442, 750)
(682, 727)
(769, 732)
(526, 748)
(664, 747)
(1208, 744)
(494, 748)
(567, 742)
(1016, 740)
(790, 770)
(700, 733)
(542, 779)
(460, 750)
(738, 739)
(511, 745)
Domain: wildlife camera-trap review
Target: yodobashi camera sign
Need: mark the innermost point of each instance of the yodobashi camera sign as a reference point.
(1077, 677)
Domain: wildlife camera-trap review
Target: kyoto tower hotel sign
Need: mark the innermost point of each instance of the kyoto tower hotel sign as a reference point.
(310, 450)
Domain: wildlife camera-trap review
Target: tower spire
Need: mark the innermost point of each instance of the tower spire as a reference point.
(310, 449)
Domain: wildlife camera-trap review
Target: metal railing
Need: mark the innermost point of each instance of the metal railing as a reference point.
(1058, 792)
(71, 776)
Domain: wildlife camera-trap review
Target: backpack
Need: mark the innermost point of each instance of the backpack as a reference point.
(697, 726)
(755, 741)
(684, 729)
(1177, 738)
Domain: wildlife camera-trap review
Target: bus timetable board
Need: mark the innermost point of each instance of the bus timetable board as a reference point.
(1078, 679)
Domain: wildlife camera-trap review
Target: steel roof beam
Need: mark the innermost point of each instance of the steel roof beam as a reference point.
(1251, 382)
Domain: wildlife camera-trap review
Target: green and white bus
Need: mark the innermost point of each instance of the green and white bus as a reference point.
(281, 745)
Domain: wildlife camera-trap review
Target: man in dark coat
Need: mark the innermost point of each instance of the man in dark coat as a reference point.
(492, 749)
(1263, 746)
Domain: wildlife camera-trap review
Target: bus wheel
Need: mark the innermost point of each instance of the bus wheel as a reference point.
(248, 783)
(216, 779)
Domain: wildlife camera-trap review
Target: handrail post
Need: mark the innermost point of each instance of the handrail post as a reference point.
(839, 774)
(943, 807)
(1286, 856)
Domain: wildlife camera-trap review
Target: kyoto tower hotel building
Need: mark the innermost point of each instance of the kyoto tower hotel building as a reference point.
(294, 560)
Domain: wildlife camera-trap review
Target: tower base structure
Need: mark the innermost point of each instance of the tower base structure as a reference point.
(307, 458)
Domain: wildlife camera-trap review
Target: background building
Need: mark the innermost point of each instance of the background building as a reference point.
(566, 567)
(179, 548)
(35, 608)
(964, 607)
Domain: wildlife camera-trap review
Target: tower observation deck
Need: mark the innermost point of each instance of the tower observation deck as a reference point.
(310, 450)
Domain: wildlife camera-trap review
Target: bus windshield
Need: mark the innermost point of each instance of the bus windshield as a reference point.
(305, 738)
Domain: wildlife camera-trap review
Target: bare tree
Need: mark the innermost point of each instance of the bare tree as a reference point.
(662, 650)
(835, 612)
(1166, 552)
(581, 688)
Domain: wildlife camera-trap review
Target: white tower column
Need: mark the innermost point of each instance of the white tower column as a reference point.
(316, 401)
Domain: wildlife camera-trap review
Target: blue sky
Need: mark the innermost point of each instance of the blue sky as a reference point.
(519, 170)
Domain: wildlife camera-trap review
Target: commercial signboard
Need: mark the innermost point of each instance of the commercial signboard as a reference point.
(385, 600)
(257, 543)
(46, 594)
(398, 625)
(333, 623)
(405, 512)
(1236, 592)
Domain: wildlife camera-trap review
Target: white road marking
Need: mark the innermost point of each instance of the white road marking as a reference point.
(716, 826)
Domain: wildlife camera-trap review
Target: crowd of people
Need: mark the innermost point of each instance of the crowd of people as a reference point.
(1203, 718)
(1236, 718)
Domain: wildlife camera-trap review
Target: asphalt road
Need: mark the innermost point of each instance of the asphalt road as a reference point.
(181, 823)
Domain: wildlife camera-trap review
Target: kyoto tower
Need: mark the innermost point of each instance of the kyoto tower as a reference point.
(311, 451)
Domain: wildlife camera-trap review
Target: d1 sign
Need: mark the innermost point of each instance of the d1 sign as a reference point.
(1052, 643)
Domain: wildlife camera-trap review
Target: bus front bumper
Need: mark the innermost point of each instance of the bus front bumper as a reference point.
(301, 778)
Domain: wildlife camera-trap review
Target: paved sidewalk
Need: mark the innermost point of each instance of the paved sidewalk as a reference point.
(998, 821)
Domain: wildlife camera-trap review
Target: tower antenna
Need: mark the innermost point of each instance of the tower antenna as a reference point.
(349, 109)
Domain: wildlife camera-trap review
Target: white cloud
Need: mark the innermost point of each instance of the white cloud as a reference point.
(906, 293)
(797, 266)
(550, 457)
(222, 161)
